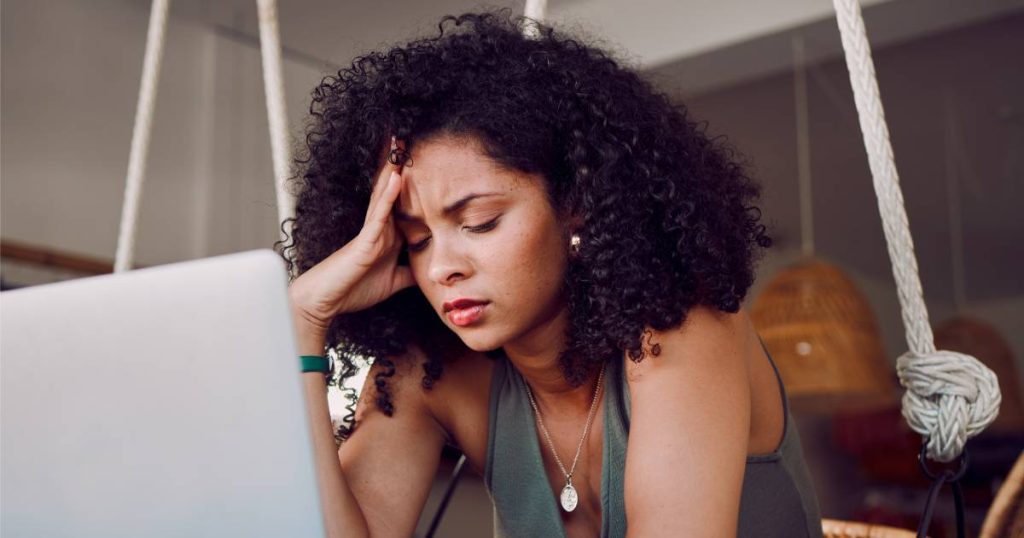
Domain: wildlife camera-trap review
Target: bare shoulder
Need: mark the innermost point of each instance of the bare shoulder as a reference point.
(690, 422)
(706, 333)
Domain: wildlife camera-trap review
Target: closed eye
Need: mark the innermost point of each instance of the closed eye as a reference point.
(481, 228)
(487, 226)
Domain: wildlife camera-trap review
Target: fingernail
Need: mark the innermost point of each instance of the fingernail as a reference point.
(394, 143)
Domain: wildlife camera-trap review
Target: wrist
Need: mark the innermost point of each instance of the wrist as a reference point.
(311, 339)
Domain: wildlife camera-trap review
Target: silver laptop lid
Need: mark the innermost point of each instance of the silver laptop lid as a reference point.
(159, 402)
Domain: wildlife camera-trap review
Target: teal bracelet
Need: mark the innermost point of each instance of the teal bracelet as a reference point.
(315, 363)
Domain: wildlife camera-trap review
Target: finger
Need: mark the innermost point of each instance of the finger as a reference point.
(380, 182)
(378, 216)
(393, 186)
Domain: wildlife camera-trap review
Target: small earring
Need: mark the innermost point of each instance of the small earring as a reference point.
(574, 243)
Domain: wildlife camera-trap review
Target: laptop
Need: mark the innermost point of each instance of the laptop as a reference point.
(159, 402)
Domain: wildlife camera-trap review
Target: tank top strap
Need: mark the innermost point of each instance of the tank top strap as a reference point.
(524, 504)
(787, 442)
(616, 436)
(514, 471)
(778, 376)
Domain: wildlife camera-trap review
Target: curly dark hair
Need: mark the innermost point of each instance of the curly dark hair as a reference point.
(668, 213)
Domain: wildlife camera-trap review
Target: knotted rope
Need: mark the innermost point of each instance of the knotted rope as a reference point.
(950, 396)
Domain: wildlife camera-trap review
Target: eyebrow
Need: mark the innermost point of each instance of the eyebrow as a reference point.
(449, 209)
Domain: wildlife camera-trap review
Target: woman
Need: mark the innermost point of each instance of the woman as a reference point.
(547, 260)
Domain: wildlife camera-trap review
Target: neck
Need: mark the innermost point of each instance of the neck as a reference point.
(535, 357)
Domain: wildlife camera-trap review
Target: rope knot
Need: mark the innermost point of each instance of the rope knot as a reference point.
(950, 398)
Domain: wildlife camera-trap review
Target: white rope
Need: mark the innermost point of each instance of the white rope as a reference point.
(140, 135)
(535, 11)
(950, 396)
(277, 116)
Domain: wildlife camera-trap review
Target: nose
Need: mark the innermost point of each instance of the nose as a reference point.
(448, 261)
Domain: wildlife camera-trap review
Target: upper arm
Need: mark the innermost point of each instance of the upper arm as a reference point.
(389, 463)
(689, 428)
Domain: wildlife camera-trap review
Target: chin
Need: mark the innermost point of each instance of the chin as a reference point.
(480, 346)
(479, 343)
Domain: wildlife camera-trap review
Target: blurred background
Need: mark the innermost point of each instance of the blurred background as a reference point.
(770, 77)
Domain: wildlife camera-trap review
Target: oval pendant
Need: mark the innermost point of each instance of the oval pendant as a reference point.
(569, 498)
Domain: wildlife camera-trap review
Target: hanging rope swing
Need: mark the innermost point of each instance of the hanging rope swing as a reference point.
(950, 396)
(277, 119)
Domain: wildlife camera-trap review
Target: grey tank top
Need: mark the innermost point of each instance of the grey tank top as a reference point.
(777, 500)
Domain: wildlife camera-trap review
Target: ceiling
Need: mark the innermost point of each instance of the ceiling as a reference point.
(650, 34)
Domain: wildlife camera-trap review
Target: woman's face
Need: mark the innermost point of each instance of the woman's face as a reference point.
(504, 247)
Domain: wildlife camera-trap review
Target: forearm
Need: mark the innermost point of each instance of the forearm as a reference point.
(342, 516)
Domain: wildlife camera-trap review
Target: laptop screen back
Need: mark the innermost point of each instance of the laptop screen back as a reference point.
(159, 402)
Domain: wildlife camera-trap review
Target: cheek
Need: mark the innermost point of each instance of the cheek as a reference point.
(530, 264)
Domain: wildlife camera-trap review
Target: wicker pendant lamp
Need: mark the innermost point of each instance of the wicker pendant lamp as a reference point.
(817, 325)
(824, 339)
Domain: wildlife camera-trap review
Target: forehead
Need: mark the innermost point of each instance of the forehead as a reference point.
(446, 169)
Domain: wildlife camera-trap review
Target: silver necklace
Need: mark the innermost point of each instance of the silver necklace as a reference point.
(569, 498)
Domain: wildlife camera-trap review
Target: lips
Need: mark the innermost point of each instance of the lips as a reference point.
(462, 303)
(469, 315)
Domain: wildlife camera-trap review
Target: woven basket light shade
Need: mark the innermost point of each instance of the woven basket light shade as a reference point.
(824, 339)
